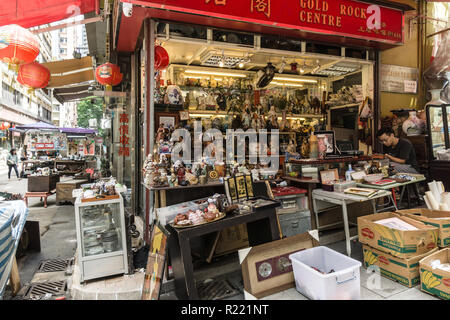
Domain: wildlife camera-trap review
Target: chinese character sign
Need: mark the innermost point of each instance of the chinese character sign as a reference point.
(261, 6)
(349, 18)
(124, 149)
(218, 2)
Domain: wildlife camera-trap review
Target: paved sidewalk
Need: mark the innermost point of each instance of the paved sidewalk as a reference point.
(56, 225)
(58, 241)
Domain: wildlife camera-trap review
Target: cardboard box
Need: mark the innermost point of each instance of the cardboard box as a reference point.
(399, 243)
(404, 271)
(276, 253)
(429, 217)
(435, 281)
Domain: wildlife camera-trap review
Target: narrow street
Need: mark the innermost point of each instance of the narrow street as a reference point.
(56, 225)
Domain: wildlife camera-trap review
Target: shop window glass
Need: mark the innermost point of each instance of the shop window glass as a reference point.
(233, 37)
(348, 81)
(281, 43)
(355, 53)
(186, 31)
(323, 49)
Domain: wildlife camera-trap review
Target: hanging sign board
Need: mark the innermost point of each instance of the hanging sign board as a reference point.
(347, 18)
(398, 79)
(44, 146)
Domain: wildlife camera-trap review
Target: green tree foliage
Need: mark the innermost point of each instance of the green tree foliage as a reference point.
(90, 108)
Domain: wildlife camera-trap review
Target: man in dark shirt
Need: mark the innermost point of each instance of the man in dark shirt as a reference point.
(399, 151)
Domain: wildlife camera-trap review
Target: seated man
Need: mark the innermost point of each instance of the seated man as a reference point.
(399, 151)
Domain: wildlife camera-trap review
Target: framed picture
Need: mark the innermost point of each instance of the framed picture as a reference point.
(167, 119)
(329, 175)
(327, 139)
(184, 115)
(155, 263)
(238, 188)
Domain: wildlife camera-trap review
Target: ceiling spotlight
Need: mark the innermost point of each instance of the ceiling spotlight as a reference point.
(127, 9)
(283, 64)
(222, 60)
(241, 64)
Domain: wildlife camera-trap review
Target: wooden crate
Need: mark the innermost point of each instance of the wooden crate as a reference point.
(42, 183)
(64, 190)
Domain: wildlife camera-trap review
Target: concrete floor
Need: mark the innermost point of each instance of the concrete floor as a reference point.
(58, 241)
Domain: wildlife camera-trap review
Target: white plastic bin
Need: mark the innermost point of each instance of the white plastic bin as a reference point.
(343, 284)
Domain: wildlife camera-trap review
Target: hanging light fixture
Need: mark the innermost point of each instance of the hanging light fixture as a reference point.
(109, 75)
(17, 46)
(33, 75)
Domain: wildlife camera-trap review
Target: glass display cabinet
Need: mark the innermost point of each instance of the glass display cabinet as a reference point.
(438, 117)
(101, 238)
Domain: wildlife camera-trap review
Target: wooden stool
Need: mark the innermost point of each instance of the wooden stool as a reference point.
(38, 194)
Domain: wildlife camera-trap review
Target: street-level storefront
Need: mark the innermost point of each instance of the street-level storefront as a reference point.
(331, 36)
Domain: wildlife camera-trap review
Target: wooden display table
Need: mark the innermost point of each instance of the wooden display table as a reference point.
(42, 183)
(64, 190)
(41, 195)
(262, 227)
(70, 167)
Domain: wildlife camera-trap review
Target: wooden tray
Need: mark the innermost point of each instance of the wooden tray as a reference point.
(221, 216)
(103, 198)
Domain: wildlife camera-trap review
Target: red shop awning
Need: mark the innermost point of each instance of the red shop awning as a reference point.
(28, 13)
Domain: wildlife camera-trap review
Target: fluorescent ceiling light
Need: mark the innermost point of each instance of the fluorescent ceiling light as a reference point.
(287, 84)
(237, 75)
(195, 77)
(194, 115)
(295, 79)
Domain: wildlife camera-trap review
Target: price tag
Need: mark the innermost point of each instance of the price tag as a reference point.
(410, 86)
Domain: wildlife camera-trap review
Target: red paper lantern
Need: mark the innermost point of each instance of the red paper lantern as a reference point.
(33, 75)
(2, 127)
(161, 58)
(17, 45)
(108, 74)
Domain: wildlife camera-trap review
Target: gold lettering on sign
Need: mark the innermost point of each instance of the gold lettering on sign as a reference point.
(218, 2)
(302, 16)
(261, 6)
(331, 21)
(318, 15)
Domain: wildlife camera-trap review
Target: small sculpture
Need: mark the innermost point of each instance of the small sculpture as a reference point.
(273, 118)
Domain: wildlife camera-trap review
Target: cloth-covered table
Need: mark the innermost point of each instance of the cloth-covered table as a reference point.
(13, 215)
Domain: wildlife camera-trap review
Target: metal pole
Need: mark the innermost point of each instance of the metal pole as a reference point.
(152, 84)
(149, 125)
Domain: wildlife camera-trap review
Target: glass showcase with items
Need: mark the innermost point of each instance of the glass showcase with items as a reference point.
(438, 123)
(101, 237)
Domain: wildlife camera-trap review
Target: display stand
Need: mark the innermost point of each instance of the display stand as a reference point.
(70, 167)
(262, 227)
(101, 238)
(41, 195)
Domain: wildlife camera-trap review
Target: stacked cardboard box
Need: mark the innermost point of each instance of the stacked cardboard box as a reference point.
(396, 252)
(435, 274)
(438, 219)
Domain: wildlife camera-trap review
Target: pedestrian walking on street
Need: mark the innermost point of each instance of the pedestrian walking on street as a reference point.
(23, 157)
(12, 161)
